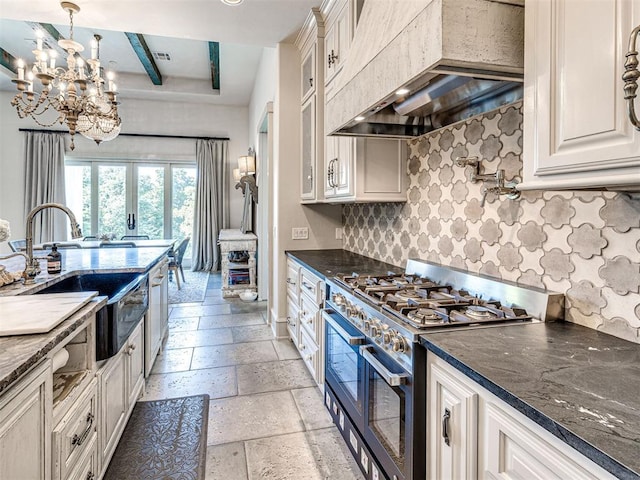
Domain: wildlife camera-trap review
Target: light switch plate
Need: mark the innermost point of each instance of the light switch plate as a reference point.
(338, 233)
(300, 233)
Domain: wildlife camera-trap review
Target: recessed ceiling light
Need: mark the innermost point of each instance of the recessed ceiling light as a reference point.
(402, 91)
(232, 2)
(359, 118)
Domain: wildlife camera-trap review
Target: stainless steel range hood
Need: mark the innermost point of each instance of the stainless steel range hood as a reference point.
(452, 58)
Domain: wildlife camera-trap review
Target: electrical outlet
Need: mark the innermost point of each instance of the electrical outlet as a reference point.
(300, 233)
(338, 233)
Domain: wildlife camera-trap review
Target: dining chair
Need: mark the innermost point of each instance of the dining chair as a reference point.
(134, 237)
(18, 245)
(175, 260)
(117, 245)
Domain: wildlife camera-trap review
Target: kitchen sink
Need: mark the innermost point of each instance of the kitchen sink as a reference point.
(127, 303)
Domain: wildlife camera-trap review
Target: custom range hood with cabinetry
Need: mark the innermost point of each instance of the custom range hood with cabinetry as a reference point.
(452, 58)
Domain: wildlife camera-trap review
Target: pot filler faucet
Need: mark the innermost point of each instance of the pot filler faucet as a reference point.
(32, 268)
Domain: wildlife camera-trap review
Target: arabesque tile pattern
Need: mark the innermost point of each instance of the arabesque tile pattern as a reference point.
(585, 244)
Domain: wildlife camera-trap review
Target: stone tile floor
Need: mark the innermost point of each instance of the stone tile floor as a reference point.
(267, 420)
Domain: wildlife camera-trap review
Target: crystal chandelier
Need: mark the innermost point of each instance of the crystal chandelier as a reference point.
(79, 94)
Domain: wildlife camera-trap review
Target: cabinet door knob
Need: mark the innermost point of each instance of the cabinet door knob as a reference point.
(311, 82)
(445, 426)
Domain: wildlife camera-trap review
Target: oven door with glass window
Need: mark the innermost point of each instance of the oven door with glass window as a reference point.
(388, 413)
(343, 364)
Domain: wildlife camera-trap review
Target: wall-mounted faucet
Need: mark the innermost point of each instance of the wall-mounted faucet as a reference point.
(501, 187)
(32, 268)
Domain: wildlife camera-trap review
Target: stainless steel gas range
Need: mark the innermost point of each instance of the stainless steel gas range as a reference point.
(375, 370)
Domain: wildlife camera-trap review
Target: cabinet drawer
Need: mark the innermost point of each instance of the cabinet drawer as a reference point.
(292, 319)
(312, 286)
(87, 467)
(75, 433)
(308, 351)
(292, 279)
(309, 317)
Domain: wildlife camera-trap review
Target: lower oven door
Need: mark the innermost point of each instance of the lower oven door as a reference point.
(388, 422)
(343, 364)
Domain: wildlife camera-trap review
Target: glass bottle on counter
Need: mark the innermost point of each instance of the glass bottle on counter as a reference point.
(54, 260)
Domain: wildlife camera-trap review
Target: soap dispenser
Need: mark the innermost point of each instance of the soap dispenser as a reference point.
(54, 260)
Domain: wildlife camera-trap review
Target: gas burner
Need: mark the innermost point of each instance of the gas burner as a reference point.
(425, 316)
(478, 312)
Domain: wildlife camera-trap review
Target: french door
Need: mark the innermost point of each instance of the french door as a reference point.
(131, 198)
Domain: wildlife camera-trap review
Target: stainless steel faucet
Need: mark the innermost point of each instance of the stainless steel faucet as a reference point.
(32, 269)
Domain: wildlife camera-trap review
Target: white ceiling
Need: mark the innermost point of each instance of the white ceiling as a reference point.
(181, 28)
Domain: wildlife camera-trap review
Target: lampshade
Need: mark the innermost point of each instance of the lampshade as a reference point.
(236, 174)
(247, 165)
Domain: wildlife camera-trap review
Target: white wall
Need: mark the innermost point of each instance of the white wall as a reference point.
(287, 210)
(138, 116)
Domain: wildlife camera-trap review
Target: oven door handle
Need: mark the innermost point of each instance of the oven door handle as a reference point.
(393, 379)
(350, 339)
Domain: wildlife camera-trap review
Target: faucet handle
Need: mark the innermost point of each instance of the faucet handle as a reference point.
(467, 161)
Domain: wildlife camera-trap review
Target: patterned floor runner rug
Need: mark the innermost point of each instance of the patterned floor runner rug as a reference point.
(163, 439)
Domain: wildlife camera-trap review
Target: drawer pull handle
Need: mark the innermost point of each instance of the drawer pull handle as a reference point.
(289, 322)
(290, 282)
(307, 286)
(130, 350)
(445, 426)
(79, 439)
(90, 475)
(301, 346)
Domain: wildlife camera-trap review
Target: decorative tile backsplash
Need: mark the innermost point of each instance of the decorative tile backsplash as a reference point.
(585, 244)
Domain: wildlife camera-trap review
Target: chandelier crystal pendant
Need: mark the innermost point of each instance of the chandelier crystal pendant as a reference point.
(79, 94)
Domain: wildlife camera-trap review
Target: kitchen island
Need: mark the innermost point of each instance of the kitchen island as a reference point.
(69, 393)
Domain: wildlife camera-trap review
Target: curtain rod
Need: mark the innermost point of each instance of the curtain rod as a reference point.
(129, 134)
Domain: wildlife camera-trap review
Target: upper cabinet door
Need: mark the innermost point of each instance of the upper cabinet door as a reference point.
(576, 130)
(337, 41)
(308, 74)
(307, 189)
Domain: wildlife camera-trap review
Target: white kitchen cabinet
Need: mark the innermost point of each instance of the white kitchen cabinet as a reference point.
(25, 426)
(489, 439)
(576, 130)
(305, 298)
(310, 43)
(514, 447)
(156, 321)
(75, 434)
(366, 170)
(120, 383)
(339, 32)
(452, 424)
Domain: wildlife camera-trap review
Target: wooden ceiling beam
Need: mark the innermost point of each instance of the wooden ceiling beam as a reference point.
(8, 61)
(144, 55)
(214, 60)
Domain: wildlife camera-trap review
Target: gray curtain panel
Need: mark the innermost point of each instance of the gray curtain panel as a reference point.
(211, 212)
(44, 183)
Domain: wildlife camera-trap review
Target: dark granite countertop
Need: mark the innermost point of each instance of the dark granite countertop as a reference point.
(581, 385)
(328, 263)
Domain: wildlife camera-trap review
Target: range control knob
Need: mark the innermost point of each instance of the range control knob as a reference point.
(366, 324)
(399, 344)
(338, 299)
(376, 329)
